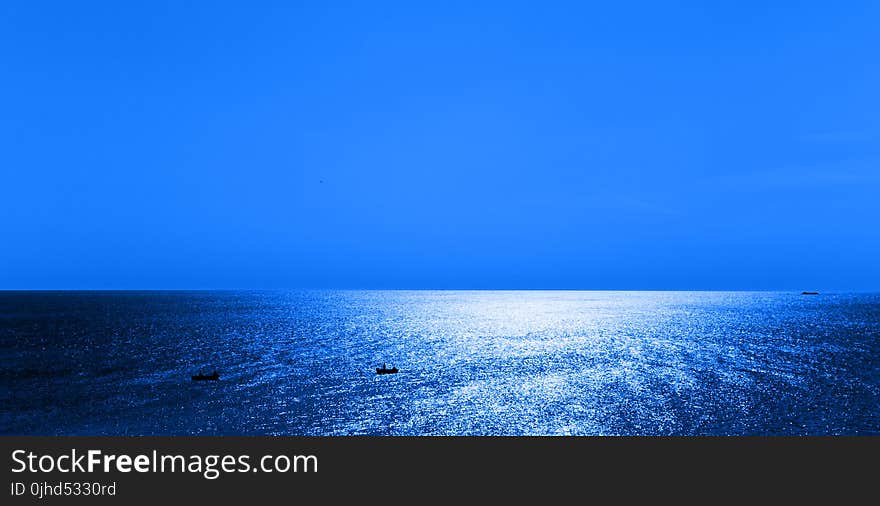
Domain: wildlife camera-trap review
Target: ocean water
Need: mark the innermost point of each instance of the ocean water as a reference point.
(471, 363)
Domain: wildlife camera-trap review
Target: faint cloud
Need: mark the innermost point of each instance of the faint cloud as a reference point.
(840, 136)
(865, 172)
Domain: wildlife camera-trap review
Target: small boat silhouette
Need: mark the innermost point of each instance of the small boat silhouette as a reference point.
(385, 370)
(809, 293)
(206, 377)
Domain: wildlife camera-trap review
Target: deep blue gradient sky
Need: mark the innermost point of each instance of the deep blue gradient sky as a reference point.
(607, 145)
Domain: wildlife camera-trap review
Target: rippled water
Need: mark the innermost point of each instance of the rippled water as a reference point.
(472, 363)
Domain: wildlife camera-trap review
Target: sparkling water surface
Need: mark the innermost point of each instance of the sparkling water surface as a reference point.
(471, 363)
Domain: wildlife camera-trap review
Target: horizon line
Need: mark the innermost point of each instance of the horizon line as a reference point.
(368, 289)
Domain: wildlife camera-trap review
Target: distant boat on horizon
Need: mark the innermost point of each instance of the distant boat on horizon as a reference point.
(206, 377)
(809, 293)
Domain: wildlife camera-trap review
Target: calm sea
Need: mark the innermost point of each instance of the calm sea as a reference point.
(471, 363)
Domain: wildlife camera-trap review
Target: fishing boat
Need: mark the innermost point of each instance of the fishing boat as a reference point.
(206, 377)
(385, 370)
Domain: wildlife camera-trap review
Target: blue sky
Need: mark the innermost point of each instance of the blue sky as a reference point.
(604, 145)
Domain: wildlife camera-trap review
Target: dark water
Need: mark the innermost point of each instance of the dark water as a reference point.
(471, 363)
